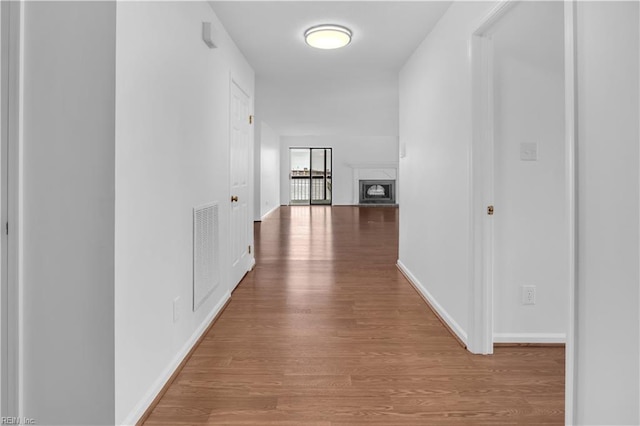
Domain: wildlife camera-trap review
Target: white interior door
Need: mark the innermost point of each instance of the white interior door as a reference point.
(239, 192)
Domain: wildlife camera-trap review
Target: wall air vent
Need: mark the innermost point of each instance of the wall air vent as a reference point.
(206, 253)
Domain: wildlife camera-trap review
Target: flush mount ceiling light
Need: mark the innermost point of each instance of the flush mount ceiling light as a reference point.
(327, 36)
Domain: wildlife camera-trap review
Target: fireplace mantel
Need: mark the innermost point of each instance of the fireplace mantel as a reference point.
(372, 171)
(388, 165)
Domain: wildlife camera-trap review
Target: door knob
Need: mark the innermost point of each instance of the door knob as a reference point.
(234, 198)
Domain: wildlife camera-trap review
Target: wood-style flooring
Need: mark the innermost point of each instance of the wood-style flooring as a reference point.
(326, 331)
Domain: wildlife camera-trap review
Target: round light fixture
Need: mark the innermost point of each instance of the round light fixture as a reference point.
(327, 36)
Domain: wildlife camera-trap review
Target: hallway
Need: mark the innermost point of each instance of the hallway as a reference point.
(326, 331)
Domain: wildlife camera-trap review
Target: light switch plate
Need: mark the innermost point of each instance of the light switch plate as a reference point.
(529, 151)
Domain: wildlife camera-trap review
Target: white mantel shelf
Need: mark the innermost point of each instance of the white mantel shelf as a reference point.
(389, 165)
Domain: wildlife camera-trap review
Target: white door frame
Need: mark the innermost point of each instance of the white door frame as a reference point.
(480, 337)
(10, 367)
(571, 135)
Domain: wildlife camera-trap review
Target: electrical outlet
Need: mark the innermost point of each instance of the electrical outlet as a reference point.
(176, 309)
(528, 294)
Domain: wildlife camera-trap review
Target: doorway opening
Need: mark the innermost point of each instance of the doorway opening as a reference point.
(310, 178)
(523, 180)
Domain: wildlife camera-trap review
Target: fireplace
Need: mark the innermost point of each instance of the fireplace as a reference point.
(377, 191)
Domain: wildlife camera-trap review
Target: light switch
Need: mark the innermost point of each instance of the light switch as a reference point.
(529, 151)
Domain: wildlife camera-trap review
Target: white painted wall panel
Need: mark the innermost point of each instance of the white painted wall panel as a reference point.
(607, 343)
(269, 169)
(435, 128)
(172, 154)
(530, 221)
(68, 194)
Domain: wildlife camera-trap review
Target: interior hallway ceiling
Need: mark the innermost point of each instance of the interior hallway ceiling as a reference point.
(351, 91)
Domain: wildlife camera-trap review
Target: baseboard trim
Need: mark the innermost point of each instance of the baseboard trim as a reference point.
(144, 408)
(529, 345)
(445, 318)
(529, 339)
(269, 212)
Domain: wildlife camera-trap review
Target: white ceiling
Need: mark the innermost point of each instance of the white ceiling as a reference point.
(350, 91)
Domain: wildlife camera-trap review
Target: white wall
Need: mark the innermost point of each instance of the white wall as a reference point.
(68, 212)
(435, 128)
(172, 111)
(4, 138)
(530, 222)
(607, 343)
(347, 151)
(257, 176)
(269, 169)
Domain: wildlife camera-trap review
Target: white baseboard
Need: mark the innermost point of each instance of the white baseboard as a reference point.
(270, 211)
(446, 317)
(166, 374)
(529, 338)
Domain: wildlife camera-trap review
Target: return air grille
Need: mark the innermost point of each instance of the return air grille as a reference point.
(206, 253)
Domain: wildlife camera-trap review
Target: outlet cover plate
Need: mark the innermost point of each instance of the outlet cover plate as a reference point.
(528, 294)
(529, 151)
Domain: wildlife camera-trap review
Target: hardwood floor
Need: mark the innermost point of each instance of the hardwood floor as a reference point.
(326, 331)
